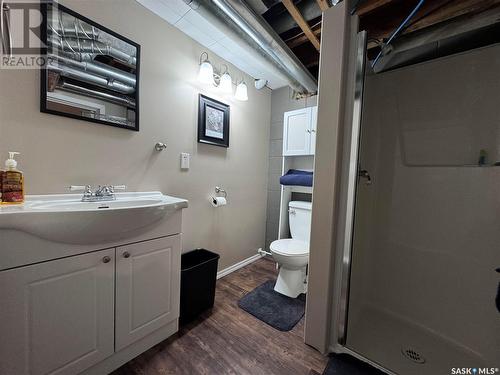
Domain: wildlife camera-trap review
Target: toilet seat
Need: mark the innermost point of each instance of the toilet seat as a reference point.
(290, 247)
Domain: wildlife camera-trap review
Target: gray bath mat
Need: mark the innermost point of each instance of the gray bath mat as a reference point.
(279, 311)
(343, 364)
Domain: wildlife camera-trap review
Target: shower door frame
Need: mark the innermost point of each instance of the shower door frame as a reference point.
(349, 184)
(352, 184)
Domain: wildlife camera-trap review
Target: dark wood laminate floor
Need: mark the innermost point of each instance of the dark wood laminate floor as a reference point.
(230, 341)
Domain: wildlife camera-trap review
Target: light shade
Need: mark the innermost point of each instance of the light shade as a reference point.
(241, 92)
(206, 73)
(226, 83)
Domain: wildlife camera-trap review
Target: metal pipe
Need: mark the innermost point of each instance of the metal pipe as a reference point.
(238, 20)
(69, 72)
(79, 29)
(90, 46)
(96, 68)
(112, 98)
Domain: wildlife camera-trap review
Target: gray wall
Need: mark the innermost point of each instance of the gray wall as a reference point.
(281, 102)
(57, 151)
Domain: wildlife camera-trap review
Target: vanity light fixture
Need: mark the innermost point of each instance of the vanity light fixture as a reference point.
(226, 82)
(206, 71)
(208, 75)
(241, 92)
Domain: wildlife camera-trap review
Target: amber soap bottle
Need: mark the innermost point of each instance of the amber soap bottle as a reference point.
(12, 182)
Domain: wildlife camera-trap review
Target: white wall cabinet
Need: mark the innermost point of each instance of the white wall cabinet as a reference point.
(57, 317)
(299, 131)
(64, 316)
(147, 287)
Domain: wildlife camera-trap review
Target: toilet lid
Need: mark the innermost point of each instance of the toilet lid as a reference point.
(289, 246)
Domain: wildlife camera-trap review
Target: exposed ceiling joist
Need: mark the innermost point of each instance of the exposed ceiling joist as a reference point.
(297, 16)
(369, 6)
(383, 19)
(451, 10)
(300, 39)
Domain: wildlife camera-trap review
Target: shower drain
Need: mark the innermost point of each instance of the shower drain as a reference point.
(413, 355)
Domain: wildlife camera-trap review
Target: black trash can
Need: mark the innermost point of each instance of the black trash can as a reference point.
(198, 277)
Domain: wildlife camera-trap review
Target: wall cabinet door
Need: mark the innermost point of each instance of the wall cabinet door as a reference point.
(57, 317)
(147, 288)
(299, 132)
(296, 132)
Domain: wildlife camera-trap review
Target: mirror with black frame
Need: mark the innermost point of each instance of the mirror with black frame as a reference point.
(91, 73)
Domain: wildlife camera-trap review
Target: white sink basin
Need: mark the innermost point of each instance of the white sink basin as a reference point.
(65, 218)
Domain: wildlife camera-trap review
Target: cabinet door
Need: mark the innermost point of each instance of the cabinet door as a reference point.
(147, 288)
(57, 317)
(314, 121)
(297, 132)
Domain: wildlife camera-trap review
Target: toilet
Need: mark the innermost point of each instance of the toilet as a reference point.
(292, 254)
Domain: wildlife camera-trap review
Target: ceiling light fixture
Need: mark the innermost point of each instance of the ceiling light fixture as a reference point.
(260, 83)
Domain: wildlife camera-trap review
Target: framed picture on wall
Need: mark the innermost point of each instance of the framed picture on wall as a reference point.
(213, 122)
(91, 73)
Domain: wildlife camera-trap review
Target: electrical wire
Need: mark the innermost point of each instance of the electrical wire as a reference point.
(398, 30)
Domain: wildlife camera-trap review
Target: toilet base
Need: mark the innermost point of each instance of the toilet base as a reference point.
(291, 282)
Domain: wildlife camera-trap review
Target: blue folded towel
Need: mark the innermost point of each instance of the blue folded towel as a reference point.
(297, 177)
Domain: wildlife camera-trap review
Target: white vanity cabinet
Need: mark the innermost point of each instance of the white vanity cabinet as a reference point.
(66, 315)
(57, 317)
(147, 288)
(299, 131)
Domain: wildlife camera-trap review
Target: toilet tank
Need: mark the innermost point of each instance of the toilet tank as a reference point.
(299, 215)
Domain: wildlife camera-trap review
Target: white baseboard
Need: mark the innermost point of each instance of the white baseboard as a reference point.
(237, 266)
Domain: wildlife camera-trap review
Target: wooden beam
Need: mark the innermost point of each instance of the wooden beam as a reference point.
(431, 13)
(295, 13)
(371, 5)
(452, 10)
(301, 38)
(323, 5)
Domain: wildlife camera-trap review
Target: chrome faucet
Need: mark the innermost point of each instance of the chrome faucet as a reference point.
(101, 193)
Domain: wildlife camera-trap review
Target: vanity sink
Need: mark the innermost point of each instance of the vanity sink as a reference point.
(65, 218)
(72, 205)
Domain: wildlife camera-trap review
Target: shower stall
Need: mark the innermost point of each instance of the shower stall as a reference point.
(417, 276)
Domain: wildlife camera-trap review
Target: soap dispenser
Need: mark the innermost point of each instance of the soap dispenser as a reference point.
(12, 182)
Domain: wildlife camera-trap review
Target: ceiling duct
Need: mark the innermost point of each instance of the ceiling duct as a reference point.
(237, 19)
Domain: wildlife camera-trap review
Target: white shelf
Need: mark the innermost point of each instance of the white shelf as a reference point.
(298, 189)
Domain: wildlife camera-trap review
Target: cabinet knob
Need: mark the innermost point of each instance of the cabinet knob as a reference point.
(307, 130)
(126, 254)
(106, 259)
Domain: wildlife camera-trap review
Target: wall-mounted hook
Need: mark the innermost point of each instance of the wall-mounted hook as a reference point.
(160, 146)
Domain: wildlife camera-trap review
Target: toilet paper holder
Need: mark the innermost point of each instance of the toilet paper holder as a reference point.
(219, 190)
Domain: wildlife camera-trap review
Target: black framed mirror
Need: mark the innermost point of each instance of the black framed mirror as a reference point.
(91, 73)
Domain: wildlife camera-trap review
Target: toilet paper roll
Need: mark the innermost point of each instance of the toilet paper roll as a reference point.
(218, 201)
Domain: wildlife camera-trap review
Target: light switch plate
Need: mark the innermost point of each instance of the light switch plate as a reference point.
(185, 158)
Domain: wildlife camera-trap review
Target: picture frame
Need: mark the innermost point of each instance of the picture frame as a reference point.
(213, 122)
(68, 88)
